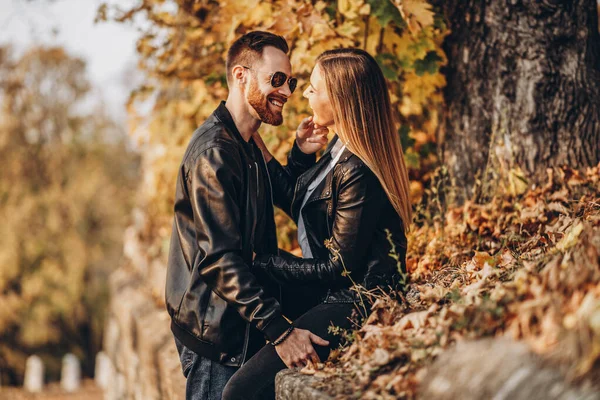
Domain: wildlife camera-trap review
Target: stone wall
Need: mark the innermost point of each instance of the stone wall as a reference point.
(138, 341)
(499, 369)
(144, 363)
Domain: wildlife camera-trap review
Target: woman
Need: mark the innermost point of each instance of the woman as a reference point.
(346, 206)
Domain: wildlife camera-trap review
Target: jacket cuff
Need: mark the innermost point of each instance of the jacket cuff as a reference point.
(276, 327)
(261, 261)
(298, 156)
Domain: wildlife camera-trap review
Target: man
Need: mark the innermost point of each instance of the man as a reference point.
(220, 313)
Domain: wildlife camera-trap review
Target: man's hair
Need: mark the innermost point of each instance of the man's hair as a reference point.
(249, 48)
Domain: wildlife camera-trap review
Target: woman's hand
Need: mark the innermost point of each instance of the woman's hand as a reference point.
(262, 146)
(310, 137)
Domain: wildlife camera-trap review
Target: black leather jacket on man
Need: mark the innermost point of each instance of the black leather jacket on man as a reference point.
(212, 295)
(351, 211)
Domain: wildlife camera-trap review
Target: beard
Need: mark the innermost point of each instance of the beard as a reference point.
(259, 102)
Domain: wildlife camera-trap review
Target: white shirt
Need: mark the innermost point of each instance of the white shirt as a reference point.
(336, 152)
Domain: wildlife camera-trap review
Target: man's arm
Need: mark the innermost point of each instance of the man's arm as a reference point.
(214, 192)
(216, 179)
(360, 200)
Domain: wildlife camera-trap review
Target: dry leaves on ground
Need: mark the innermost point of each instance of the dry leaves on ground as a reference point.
(526, 267)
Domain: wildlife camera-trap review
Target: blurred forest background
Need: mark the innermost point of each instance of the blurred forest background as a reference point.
(482, 111)
(67, 185)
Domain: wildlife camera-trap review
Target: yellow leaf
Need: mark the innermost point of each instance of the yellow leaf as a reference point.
(260, 14)
(570, 239)
(517, 183)
(350, 8)
(349, 29)
(365, 9)
(321, 31)
(416, 13)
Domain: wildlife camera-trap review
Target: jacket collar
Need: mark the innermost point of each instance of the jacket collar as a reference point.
(223, 115)
(331, 143)
(346, 154)
(307, 177)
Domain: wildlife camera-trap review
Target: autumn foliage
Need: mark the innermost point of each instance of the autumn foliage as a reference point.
(183, 47)
(516, 261)
(524, 267)
(66, 186)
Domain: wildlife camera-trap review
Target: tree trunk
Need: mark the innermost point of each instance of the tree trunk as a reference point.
(523, 88)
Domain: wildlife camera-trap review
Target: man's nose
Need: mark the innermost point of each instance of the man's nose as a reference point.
(285, 90)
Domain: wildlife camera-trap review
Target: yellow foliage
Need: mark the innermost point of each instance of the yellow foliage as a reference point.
(417, 13)
(187, 70)
(65, 196)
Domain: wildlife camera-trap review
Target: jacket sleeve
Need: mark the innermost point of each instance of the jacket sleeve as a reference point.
(360, 200)
(214, 190)
(283, 178)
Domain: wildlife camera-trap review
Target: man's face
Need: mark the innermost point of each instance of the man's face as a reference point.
(266, 102)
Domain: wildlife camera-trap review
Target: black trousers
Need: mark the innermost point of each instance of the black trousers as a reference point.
(256, 378)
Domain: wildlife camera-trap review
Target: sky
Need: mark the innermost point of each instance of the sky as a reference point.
(107, 47)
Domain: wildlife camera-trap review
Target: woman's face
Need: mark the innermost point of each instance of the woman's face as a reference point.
(316, 93)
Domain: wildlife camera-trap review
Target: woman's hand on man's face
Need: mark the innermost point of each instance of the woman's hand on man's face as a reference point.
(310, 136)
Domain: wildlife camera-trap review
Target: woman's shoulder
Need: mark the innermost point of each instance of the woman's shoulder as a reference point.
(351, 163)
(351, 167)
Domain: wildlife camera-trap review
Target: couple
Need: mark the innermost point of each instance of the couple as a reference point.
(242, 309)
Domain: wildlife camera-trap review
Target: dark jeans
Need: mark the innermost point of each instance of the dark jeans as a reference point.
(256, 378)
(206, 379)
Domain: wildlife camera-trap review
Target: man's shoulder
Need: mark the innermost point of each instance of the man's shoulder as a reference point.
(211, 134)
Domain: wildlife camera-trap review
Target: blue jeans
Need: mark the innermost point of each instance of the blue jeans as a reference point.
(206, 379)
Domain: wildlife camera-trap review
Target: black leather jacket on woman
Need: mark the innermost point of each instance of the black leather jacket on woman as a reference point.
(223, 199)
(351, 211)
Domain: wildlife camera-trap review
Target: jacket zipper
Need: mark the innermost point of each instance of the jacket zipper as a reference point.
(257, 180)
(330, 205)
(271, 192)
(245, 350)
(294, 196)
(247, 334)
(268, 176)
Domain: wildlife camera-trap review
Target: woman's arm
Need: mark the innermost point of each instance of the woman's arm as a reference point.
(360, 200)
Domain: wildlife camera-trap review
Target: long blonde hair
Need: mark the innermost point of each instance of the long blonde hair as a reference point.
(363, 116)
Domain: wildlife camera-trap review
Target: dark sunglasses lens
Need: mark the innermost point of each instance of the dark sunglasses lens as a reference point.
(278, 79)
(293, 83)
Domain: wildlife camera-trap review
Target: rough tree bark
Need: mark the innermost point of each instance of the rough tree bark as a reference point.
(523, 86)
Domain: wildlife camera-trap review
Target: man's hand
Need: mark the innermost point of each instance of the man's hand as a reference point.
(297, 349)
(310, 137)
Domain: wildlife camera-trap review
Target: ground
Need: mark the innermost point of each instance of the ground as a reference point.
(89, 391)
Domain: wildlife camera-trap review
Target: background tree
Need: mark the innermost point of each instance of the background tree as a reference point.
(66, 185)
(523, 89)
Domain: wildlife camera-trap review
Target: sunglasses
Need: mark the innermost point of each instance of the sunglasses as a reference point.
(278, 78)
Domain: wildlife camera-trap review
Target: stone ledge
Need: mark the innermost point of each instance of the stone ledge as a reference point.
(497, 369)
(290, 385)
